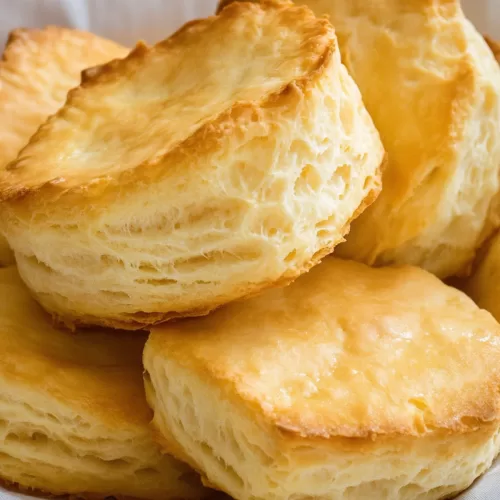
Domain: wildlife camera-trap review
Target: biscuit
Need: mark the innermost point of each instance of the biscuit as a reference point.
(226, 159)
(351, 383)
(432, 88)
(73, 416)
(37, 69)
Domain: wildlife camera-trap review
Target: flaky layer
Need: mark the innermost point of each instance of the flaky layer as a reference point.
(48, 448)
(73, 418)
(433, 89)
(37, 70)
(349, 381)
(262, 171)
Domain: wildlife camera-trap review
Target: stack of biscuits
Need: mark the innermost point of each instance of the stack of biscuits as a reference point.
(226, 258)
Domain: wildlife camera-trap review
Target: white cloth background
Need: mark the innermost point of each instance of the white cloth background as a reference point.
(127, 21)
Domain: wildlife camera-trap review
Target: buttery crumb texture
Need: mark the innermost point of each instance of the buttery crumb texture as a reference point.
(228, 158)
(351, 383)
(38, 68)
(432, 87)
(73, 417)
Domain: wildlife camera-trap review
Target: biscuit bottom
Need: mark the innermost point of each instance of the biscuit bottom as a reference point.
(351, 383)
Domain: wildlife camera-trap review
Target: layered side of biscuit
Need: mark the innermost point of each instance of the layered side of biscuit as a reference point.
(218, 169)
(73, 416)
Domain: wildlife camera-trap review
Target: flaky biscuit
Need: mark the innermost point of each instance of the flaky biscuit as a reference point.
(224, 160)
(351, 383)
(37, 69)
(73, 416)
(433, 90)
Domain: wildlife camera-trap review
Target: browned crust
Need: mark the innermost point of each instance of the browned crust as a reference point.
(487, 423)
(26, 50)
(103, 189)
(483, 422)
(19, 36)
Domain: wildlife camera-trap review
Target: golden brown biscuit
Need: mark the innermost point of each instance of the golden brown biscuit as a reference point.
(351, 383)
(37, 69)
(73, 417)
(224, 160)
(433, 90)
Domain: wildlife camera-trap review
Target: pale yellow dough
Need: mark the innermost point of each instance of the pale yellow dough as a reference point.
(433, 89)
(352, 383)
(227, 159)
(73, 417)
(38, 68)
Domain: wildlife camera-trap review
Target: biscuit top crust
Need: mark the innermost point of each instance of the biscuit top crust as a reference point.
(348, 351)
(128, 115)
(37, 69)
